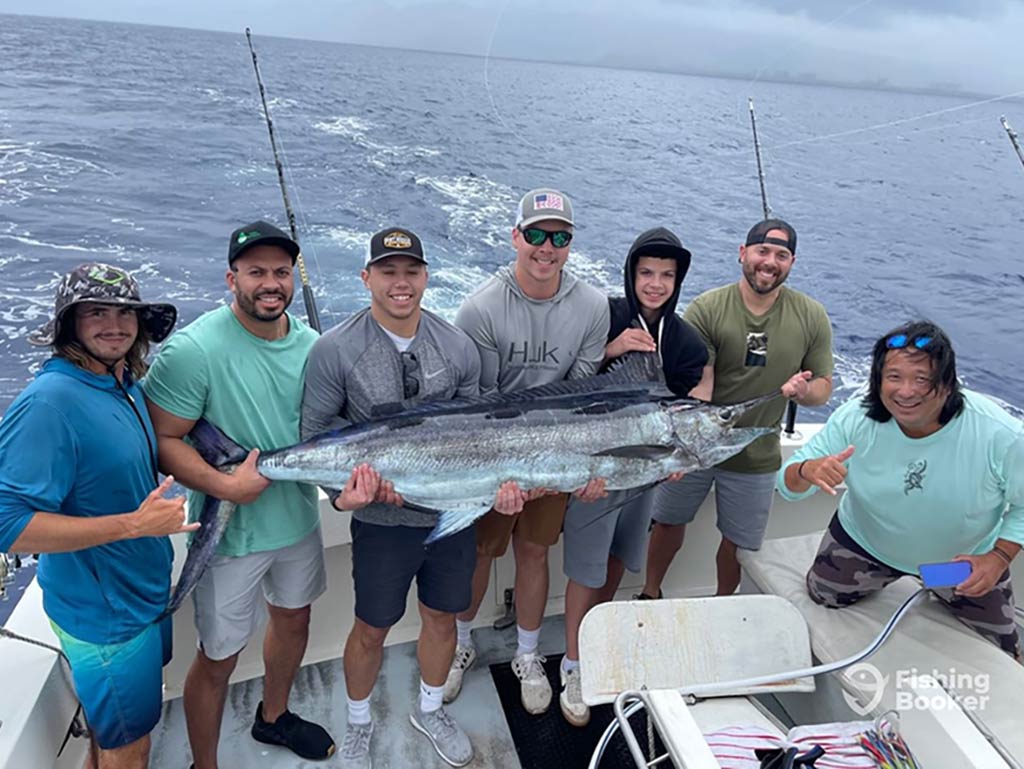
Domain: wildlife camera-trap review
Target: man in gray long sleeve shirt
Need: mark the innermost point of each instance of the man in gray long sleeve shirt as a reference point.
(392, 352)
(534, 324)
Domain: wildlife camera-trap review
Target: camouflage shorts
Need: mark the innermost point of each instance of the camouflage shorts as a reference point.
(843, 573)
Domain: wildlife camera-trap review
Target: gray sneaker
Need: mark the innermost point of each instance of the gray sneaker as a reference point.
(355, 748)
(447, 737)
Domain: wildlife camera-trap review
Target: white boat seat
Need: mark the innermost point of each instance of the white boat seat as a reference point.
(678, 643)
(928, 639)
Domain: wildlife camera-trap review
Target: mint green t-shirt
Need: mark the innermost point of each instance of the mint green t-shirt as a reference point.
(924, 500)
(754, 355)
(251, 389)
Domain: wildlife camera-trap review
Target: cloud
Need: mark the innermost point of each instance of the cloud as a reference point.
(865, 12)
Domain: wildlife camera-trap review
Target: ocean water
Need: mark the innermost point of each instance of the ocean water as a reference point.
(145, 146)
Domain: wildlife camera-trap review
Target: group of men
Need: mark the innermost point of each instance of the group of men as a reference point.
(88, 496)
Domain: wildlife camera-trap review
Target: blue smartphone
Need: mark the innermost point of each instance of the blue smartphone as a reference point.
(948, 574)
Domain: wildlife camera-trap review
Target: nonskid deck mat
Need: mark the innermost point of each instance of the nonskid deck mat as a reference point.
(548, 741)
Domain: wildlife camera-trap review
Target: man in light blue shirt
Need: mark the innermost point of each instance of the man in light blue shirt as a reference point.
(933, 472)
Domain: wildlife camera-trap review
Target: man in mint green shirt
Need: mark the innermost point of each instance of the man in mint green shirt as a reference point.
(241, 368)
(934, 473)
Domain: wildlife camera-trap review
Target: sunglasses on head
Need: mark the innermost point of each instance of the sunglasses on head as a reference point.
(899, 341)
(536, 237)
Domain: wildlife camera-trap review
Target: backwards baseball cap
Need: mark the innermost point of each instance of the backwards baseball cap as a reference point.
(759, 234)
(260, 233)
(543, 204)
(104, 284)
(395, 241)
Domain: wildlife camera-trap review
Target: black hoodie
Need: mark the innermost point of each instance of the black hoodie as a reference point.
(683, 352)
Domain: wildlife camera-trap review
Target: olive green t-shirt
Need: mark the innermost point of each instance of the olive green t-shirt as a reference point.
(251, 388)
(755, 354)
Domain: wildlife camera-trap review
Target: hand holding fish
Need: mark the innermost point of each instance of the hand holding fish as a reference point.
(246, 481)
(387, 495)
(632, 339)
(362, 488)
(593, 491)
(510, 499)
(675, 477)
(158, 516)
(827, 472)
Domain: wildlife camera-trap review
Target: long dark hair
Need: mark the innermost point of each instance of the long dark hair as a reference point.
(939, 351)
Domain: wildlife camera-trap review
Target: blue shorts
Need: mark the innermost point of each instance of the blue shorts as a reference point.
(120, 685)
(385, 559)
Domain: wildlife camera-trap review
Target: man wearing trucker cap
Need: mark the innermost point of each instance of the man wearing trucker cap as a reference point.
(534, 323)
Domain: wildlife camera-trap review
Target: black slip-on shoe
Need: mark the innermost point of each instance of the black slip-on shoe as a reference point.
(303, 738)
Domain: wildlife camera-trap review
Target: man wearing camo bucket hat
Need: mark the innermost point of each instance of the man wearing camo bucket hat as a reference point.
(78, 483)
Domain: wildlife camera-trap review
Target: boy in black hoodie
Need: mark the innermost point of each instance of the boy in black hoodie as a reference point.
(599, 541)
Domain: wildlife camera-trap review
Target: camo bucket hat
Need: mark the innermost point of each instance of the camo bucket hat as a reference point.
(101, 283)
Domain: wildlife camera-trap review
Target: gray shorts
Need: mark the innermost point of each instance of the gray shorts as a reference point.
(743, 501)
(228, 605)
(591, 533)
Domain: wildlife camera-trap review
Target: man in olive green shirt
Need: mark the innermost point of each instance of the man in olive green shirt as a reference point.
(758, 333)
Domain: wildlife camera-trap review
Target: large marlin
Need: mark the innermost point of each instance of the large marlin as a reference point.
(451, 457)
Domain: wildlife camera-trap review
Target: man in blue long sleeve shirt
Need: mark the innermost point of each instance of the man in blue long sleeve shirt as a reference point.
(933, 472)
(78, 484)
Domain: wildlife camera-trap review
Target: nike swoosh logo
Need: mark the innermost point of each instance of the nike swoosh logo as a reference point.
(433, 374)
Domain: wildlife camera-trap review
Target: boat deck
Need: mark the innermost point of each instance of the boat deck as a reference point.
(319, 695)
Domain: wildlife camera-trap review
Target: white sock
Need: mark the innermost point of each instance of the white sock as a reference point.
(569, 665)
(462, 632)
(527, 640)
(430, 696)
(358, 710)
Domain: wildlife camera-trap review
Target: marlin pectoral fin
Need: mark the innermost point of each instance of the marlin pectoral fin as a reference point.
(637, 452)
(457, 518)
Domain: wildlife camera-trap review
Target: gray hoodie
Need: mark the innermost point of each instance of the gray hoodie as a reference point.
(355, 366)
(526, 342)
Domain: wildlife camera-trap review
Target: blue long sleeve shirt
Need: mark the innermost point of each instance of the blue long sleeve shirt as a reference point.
(924, 500)
(71, 444)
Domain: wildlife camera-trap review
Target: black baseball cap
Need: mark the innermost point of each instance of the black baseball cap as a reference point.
(260, 233)
(395, 241)
(759, 234)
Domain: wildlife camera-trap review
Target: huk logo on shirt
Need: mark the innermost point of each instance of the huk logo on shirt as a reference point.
(757, 349)
(914, 478)
(532, 354)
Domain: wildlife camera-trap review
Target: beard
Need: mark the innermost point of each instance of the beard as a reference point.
(750, 274)
(247, 303)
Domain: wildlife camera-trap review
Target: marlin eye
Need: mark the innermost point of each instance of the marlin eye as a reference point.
(725, 415)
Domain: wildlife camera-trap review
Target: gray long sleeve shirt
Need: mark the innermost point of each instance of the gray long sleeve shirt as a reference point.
(526, 342)
(355, 366)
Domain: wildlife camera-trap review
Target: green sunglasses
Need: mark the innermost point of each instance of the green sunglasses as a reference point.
(536, 237)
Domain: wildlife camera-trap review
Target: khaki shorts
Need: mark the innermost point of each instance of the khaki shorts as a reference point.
(540, 523)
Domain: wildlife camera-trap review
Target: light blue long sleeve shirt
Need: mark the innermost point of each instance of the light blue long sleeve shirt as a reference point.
(924, 500)
(71, 444)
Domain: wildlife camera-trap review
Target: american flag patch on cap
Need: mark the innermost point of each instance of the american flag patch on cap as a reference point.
(548, 200)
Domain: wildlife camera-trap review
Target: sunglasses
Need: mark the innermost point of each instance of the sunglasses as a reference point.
(410, 375)
(536, 237)
(899, 341)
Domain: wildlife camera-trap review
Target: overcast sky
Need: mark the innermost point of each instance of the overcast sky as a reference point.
(974, 44)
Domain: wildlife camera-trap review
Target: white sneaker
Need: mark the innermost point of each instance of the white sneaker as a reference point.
(535, 689)
(465, 656)
(355, 748)
(574, 709)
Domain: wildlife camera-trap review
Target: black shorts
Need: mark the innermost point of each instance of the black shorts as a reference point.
(385, 559)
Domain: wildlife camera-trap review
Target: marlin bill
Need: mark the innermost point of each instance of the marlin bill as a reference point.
(450, 458)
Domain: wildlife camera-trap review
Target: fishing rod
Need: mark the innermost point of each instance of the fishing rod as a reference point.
(790, 427)
(307, 290)
(1013, 138)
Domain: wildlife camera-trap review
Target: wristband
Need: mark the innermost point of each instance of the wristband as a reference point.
(1002, 554)
(800, 470)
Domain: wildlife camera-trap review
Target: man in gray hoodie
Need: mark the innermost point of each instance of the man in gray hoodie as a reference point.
(395, 352)
(533, 324)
